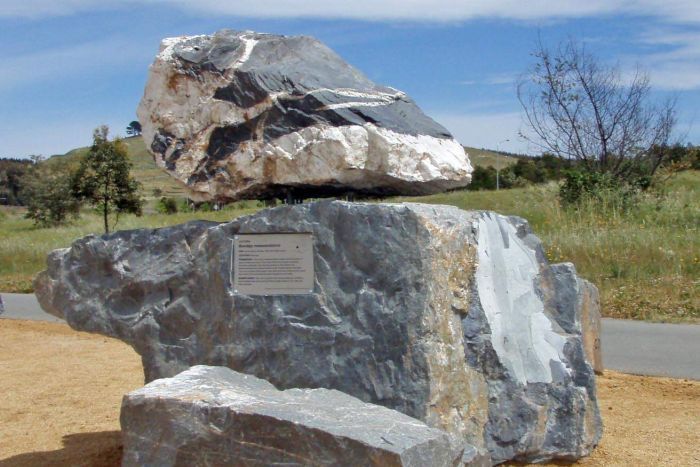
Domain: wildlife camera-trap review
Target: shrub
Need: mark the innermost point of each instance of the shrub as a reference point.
(48, 194)
(530, 170)
(186, 205)
(694, 158)
(167, 205)
(483, 178)
(583, 185)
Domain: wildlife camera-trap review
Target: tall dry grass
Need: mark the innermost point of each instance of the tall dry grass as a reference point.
(23, 247)
(645, 260)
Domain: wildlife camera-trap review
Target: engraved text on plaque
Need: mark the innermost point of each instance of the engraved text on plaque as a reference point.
(273, 264)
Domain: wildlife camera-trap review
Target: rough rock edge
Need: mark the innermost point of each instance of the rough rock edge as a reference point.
(207, 414)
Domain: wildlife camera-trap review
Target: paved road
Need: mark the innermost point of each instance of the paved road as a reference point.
(628, 346)
(651, 348)
(24, 306)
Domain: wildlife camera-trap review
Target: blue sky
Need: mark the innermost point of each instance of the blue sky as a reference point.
(72, 65)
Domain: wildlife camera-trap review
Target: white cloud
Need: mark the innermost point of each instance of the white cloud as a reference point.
(676, 68)
(685, 11)
(497, 79)
(483, 130)
(59, 63)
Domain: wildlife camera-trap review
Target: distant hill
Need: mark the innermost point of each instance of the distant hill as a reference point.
(486, 157)
(151, 176)
(145, 169)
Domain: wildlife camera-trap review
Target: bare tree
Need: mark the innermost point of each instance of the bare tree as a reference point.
(580, 108)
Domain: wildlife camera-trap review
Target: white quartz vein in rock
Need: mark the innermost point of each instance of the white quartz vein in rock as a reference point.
(248, 44)
(524, 342)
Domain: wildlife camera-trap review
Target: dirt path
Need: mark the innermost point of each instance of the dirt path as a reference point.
(61, 391)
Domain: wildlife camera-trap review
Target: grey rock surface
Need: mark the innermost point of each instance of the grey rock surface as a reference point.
(578, 305)
(240, 114)
(215, 416)
(451, 317)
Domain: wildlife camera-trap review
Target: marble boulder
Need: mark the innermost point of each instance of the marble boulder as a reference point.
(244, 115)
(452, 317)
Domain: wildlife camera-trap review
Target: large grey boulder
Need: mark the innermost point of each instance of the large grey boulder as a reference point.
(247, 115)
(451, 317)
(215, 416)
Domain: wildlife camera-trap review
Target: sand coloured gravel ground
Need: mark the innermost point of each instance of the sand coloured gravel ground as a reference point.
(61, 391)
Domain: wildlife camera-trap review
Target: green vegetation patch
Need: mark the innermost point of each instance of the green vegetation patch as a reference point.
(144, 169)
(24, 247)
(645, 259)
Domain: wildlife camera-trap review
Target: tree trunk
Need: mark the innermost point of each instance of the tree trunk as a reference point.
(104, 214)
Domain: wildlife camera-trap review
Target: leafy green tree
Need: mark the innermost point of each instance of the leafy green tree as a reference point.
(104, 181)
(134, 128)
(483, 178)
(47, 191)
(11, 172)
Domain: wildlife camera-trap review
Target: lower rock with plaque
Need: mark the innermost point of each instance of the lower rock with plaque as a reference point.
(451, 317)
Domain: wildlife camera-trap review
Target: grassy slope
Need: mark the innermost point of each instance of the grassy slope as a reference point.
(645, 262)
(485, 158)
(144, 169)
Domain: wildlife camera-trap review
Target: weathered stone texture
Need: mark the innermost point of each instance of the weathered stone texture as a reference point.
(216, 416)
(248, 115)
(579, 309)
(451, 317)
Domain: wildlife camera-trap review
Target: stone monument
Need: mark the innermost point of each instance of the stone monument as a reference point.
(451, 317)
(231, 416)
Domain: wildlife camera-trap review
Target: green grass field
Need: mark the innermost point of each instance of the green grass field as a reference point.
(23, 247)
(646, 261)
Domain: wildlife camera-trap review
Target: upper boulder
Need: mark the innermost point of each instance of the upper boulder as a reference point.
(240, 115)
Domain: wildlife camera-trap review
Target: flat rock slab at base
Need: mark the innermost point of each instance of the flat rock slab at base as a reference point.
(451, 317)
(216, 416)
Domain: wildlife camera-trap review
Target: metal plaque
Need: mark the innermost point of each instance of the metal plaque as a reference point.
(273, 264)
